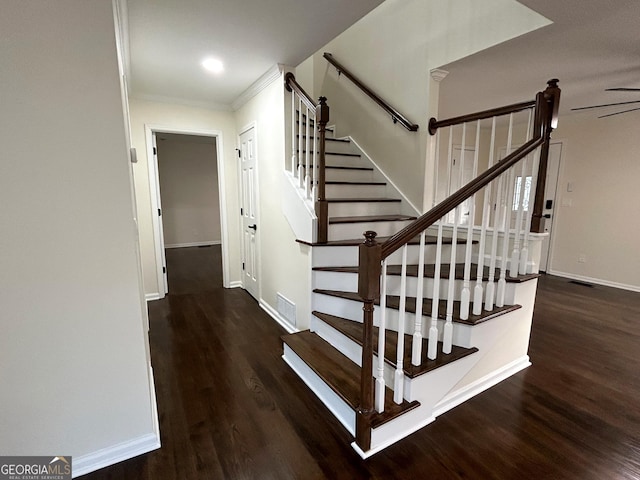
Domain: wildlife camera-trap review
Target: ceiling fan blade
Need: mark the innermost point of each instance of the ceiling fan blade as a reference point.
(606, 105)
(618, 113)
(622, 89)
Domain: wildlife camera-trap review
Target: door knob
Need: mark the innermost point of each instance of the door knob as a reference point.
(253, 227)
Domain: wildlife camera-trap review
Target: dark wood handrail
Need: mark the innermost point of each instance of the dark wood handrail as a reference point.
(396, 116)
(455, 199)
(471, 117)
(291, 84)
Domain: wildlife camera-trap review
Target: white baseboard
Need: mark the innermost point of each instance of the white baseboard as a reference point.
(152, 296)
(194, 244)
(480, 385)
(236, 284)
(117, 453)
(277, 317)
(598, 281)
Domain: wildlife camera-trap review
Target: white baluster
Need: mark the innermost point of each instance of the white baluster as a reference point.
(465, 298)
(436, 173)
(519, 205)
(307, 158)
(380, 383)
(447, 337)
(524, 254)
(502, 282)
(478, 291)
(497, 210)
(315, 172)
(506, 223)
(416, 344)
(398, 384)
(435, 302)
(293, 133)
(299, 166)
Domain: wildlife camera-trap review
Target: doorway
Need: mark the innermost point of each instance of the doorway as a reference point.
(549, 207)
(184, 229)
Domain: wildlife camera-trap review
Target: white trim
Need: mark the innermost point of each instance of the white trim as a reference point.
(152, 166)
(598, 281)
(122, 16)
(235, 284)
(182, 101)
(391, 440)
(194, 244)
(480, 385)
(114, 454)
(152, 296)
(387, 179)
(273, 313)
(256, 87)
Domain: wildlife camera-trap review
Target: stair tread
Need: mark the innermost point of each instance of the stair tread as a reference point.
(370, 218)
(393, 301)
(429, 272)
(429, 240)
(336, 182)
(362, 200)
(340, 374)
(336, 153)
(353, 330)
(329, 139)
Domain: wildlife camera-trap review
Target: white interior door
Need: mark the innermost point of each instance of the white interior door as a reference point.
(249, 212)
(549, 207)
(161, 254)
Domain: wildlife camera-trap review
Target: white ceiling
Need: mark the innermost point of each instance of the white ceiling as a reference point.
(169, 38)
(592, 45)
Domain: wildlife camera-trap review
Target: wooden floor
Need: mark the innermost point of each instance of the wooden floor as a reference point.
(230, 408)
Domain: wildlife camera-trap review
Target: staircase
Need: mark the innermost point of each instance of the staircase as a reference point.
(449, 308)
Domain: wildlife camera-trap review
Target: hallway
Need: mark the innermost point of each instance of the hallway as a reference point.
(230, 408)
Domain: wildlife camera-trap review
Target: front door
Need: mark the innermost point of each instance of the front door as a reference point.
(249, 211)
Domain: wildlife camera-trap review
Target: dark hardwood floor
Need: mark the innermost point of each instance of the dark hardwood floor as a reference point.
(230, 408)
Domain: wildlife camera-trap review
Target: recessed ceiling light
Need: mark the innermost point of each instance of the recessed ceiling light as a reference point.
(213, 65)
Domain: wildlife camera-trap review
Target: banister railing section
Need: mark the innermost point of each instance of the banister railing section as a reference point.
(308, 133)
(396, 116)
(487, 204)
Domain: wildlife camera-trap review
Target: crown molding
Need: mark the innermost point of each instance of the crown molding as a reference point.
(260, 84)
(181, 101)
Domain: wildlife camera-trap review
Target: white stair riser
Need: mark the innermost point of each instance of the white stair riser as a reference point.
(352, 310)
(340, 147)
(356, 191)
(348, 255)
(348, 175)
(348, 282)
(351, 349)
(345, 231)
(359, 209)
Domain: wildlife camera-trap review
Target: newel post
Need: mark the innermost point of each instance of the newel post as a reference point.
(322, 207)
(549, 119)
(369, 269)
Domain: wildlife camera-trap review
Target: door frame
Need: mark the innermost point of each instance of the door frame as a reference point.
(556, 210)
(252, 125)
(154, 190)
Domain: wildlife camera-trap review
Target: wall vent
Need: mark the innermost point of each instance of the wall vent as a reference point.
(286, 308)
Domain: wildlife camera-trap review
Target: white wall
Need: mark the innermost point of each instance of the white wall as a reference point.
(392, 50)
(284, 264)
(73, 363)
(189, 191)
(184, 118)
(600, 218)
